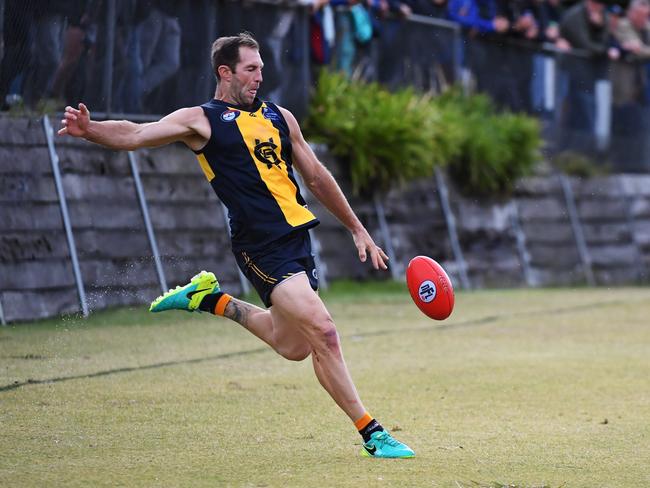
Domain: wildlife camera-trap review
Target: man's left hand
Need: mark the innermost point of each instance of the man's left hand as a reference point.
(365, 245)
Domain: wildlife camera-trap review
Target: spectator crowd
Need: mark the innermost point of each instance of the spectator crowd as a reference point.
(618, 31)
(54, 52)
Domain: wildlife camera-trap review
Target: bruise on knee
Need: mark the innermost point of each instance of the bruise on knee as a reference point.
(332, 340)
(326, 342)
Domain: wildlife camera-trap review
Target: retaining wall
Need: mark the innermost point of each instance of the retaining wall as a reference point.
(528, 240)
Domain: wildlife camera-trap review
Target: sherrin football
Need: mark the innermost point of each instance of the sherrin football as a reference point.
(430, 287)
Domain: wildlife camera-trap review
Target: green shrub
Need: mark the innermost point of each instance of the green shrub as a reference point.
(382, 138)
(495, 149)
(385, 138)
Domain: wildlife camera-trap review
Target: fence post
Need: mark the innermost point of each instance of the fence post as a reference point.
(54, 160)
(394, 265)
(302, 24)
(549, 83)
(457, 56)
(603, 121)
(576, 226)
(107, 86)
(451, 228)
(2, 315)
(2, 27)
(147, 220)
(520, 237)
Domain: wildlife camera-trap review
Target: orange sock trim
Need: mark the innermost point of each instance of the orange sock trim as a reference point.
(363, 421)
(220, 307)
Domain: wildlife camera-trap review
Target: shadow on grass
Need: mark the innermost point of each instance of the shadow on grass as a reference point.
(18, 384)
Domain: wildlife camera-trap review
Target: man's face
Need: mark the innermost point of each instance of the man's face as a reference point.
(639, 15)
(595, 6)
(247, 77)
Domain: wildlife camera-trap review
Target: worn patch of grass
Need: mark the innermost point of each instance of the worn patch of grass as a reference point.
(518, 388)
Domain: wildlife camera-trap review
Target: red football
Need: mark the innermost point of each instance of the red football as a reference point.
(430, 287)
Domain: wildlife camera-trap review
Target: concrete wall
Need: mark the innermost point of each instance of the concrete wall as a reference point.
(36, 275)
(526, 240)
(614, 215)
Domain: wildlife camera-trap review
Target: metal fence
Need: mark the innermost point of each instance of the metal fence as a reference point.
(122, 59)
(132, 57)
(587, 106)
(593, 107)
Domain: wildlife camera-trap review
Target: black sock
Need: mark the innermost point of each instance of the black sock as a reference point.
(367, 431)
(210, 301)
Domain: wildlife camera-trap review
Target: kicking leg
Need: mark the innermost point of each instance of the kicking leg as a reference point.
(297, 307)
(298, 324)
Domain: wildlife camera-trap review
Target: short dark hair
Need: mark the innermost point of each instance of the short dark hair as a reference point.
(225, 50)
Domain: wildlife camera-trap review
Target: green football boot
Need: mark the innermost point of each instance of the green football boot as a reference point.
(383, 445)
(187, 297)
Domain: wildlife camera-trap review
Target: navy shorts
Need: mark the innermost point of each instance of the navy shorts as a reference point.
(284, 258)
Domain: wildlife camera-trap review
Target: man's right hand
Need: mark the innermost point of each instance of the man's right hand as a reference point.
(633, 46)
(562, 44)
(75, 122)
(501, 24)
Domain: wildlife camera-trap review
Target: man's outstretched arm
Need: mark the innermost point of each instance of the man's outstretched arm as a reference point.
(187, 125)
(325, 188)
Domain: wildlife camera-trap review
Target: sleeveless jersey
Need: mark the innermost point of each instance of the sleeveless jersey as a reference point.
(248, 163)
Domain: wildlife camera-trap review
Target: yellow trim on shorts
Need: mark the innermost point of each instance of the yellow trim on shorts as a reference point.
(249, 262)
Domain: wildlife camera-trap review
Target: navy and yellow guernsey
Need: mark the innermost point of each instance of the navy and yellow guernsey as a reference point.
(248, 163)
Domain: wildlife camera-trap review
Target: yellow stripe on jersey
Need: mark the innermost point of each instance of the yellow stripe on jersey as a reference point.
(205, 166)
(265, 147)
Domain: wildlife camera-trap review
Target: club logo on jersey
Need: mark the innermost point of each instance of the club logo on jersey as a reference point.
(427, 291)
(230, 115)
(269, 114)
(266, 152)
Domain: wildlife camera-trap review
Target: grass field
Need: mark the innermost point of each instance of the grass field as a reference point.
(525, 388)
